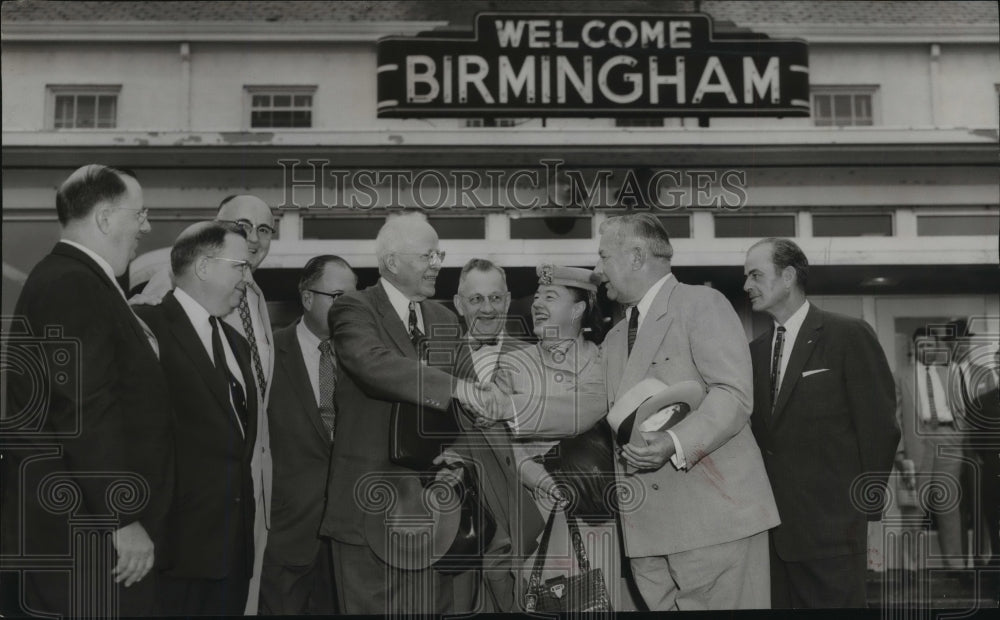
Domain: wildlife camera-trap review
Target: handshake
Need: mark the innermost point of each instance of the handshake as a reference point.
(485, 402)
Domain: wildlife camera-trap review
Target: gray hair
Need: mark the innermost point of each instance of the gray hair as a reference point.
(481, 264)
(640, 230)
(395, 230)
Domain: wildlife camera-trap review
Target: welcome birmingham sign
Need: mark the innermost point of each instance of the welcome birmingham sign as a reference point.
(584, 65)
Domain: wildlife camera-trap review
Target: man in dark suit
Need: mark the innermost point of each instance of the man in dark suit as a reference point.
(83, 433)
(824, 416)
(298, 576)
(374, 333)
(209, 370)
(482, 301)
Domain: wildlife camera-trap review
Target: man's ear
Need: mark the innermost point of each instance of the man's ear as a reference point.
(201, 268)
(788, 276)
(307, 297)
(458, 306)
(637, 257)
(390, 263)
(102, 217)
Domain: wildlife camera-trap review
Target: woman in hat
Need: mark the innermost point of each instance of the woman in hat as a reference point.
(568, 325)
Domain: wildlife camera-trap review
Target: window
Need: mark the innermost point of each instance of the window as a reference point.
(843, 106)
(732, 226)
(281, 106)
(365, 229)
(947, 225)
(641, 121)
(84, 107)
(852, 225)
(552, 227)
(492, 122)
(678, 226)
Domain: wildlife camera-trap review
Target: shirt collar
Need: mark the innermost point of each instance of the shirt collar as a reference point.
(794, 322)
(400, 302)
(306, 336)
(196, 312)
(94, 256)
(647, 299)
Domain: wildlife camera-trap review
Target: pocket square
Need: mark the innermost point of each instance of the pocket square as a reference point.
(813, 372)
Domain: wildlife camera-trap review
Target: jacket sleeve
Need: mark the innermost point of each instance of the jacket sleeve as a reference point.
(383, 373)
(872, 398)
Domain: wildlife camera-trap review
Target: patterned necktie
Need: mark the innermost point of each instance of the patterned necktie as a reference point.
(475, 345)
(327, 386)
(239, 399)
(931, 405)
(413, 326)
(779, 342)
(633, 327)
(251, 338)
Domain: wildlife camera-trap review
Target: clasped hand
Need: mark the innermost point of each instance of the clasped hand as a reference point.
(487, 402)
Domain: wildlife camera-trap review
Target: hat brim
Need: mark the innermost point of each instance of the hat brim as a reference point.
(410, 535)
(665, 409)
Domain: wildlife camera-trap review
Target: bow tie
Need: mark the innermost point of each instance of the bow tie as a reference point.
(475, 345)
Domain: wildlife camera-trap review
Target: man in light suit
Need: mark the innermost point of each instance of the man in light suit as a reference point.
(375, 334)
(88, 413)
(209, 371)
(482, 301)
(931, 445)
(298, 576)
(252, 321)
(696, 535)
(824, 415)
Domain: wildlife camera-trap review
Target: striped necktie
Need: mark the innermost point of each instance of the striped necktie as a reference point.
(258, 368)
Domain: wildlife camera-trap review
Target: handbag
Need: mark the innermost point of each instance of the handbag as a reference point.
(417, 436)
(584, 466)
(583, 592)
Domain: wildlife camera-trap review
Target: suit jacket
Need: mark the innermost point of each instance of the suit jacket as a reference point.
(213, 499)
(826, 430)
(518, 521)
(301, 449)
(916, 443)
(377, 366)
(108, 414)
(689, 333)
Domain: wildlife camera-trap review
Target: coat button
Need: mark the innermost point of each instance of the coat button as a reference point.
(237, 500)
(508, 461)
(656, 487)
(769, 452)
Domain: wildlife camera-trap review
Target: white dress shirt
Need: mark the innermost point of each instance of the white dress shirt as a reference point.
(401, 304)
(792, 327)
(199, 320)
(941, 406)
(644, 304)
(309, 343)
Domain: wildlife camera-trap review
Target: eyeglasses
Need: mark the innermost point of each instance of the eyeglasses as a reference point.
(244, 265)
(494, 299)
(429, 257)
(331, 295)
(263, 231)
(140, 214)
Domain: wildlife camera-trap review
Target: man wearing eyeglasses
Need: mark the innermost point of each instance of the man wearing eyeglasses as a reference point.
(210, 545)
(251, 320)
(297, 578)
(73, 420)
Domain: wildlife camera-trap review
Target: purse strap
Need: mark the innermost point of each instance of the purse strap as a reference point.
(581, 553)
(535, 581)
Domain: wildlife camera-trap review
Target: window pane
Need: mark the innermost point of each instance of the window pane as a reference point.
(842, 109)
(281, 118)
(822, 107)
(107, 111)
(260, 119)
(303, 101)
(551, 228)
(301, 118)
(86, 113)
(862, 106)
(852, 225)
(941, 225)
(64, 111)
(367, 228)
(728, 226)
(261, 101)
(678, 226)
(282, 101)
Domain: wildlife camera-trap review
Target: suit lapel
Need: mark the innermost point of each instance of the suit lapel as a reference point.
(185, 335)
(801, 350)
(651, 334)
(390, 320)
(294, 366)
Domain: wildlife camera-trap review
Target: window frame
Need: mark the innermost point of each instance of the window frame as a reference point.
(250, 90)
(830, 90)
(53, 91)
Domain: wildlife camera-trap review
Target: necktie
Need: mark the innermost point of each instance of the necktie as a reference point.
(327, 386)
(633, 327)
(254, 353)
(235, 390)
(413, 326)
(931, 405)
(779, 342)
